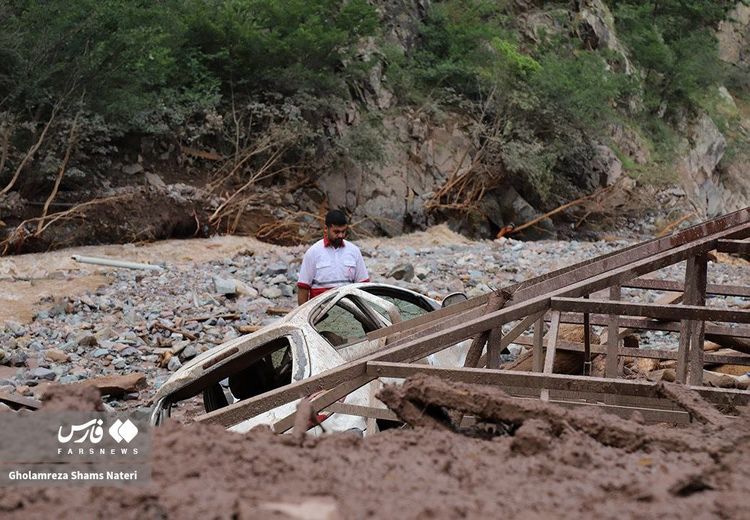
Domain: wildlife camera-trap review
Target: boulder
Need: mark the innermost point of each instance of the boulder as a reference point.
(607, 165)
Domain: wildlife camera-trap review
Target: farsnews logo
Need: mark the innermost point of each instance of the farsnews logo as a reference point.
(123, 431)
(93, 432)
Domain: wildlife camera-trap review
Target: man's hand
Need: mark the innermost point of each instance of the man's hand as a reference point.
(303, 295)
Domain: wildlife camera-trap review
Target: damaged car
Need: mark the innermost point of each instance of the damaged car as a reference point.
(326, 332)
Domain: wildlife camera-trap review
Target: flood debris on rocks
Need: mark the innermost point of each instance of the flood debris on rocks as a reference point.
(422, 401)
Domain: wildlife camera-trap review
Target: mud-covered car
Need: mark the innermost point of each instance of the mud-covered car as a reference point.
(325, 332)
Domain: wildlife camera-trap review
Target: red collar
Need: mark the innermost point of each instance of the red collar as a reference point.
(327, 243)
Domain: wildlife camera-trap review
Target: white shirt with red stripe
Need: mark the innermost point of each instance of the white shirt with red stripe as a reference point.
(325, 267)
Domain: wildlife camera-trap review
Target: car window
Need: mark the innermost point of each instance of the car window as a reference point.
(270, 367)
(409, 305)
(267, 373)
(344, 322)
(407, 309)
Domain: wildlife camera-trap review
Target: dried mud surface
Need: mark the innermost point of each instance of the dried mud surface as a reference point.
(202, 471)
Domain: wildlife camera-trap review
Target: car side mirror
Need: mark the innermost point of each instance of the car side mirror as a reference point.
(453, 298)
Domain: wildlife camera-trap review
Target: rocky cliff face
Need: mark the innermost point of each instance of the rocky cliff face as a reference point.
(420, 153)
(717, 182)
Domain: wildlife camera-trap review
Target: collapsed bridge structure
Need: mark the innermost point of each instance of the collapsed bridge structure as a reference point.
(587, 293)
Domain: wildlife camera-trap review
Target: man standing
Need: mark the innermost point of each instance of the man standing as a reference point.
(330, 262)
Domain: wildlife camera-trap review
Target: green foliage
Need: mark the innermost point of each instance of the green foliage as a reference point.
(149, 66)
(579, 88)
(284, 46)
(673, 42)
(460, 42)
(226, 71)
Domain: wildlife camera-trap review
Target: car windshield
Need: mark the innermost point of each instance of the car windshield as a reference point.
(346, 322)
(351, 318)
(409, 305)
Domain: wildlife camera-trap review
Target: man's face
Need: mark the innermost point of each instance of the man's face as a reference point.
(337, 234)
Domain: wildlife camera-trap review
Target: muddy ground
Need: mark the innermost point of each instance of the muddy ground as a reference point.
(542, 471)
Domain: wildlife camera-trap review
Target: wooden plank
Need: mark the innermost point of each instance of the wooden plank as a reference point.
(613, 336)
(549, 358)
(697, 333)
(517, 330)
(670, 285)
(362, 411)
(651, 353)
(247, 408)
(538, 352)
(324, 400)
(741, 247)
(507, 378)
(650, 415)
(651, 310)
(728, 226)
(18, 401)
(494, 347)
(474, 354)
(656, 403)
(371, 424)
(738, 331)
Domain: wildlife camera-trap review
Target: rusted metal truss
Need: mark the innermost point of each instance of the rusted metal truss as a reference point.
(545, 302)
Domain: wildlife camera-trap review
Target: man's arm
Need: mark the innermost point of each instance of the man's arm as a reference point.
(361, 275)
(305, 278)
(303, 295)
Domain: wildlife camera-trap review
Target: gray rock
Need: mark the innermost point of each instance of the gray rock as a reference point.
(87, 340)
(129, 351)
(190, 352)
(403, 272)
(225, 285)
(286, 290)
(279, 278)
(271, 292)
(15, 328)
(100, 352)
(132, 169)
(174, 364)
(43, 373)
(277, 268)
(18, 358)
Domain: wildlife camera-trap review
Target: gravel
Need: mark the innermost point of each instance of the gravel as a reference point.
(123, 327)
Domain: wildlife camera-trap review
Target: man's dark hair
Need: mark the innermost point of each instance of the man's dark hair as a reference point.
(336, 217)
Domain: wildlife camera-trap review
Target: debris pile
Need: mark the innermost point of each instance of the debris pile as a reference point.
(556, 463)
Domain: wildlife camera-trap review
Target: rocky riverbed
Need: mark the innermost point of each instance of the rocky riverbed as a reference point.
(68, 322)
